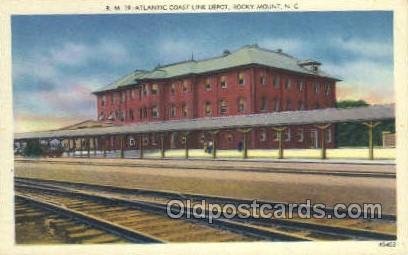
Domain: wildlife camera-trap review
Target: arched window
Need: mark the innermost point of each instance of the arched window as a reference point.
(173, 89)
(207, 84)
(172, 111)
(241, 80)
(185, 86)
(276, 82)
(208, 109)
(155, 89)
(184, 110)
(264, 104)
(241, 105)
(223, 107)
(223, 82)
(155, 112)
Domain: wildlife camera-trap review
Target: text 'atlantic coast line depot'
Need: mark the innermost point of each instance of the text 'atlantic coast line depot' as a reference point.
(250, 80)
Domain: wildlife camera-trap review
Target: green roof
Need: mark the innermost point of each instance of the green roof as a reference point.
(250, 54)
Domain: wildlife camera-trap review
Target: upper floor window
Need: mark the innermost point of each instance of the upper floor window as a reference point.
(276, 82)
(185, 86)
(112, 98)
(263, 105)
(241, 105)
(223, 107)
(316, 87)
(262, 79)
(103, 100)
(133, 93)
(223, 82)
(241, 80)
(287, 83)
(155, 89)
(208, 109)
(155, 112)
(207, 85)
(184, 110)
(173, 89)
(144, 89)
(301, 85)
(327, 89)
(123, 97)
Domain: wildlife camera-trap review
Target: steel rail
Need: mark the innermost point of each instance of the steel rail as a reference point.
(236, 225)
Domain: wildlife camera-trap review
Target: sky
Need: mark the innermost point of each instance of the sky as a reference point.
(58, 60)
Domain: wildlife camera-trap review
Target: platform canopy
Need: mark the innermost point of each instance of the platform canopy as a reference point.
(319, 116)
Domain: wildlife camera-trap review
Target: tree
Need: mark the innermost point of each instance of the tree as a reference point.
(33, 148)
(356, 134)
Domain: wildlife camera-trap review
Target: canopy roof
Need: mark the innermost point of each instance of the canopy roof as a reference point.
(329, 115)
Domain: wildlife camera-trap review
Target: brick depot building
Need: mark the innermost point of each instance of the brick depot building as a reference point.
(250, 80)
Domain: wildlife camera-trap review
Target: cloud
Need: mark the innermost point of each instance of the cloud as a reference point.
(289, 45)
(364, 79)
(364, 48)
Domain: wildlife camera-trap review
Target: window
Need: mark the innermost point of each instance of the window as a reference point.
(155, 112)
(287, 83)
(123, 97)
(316, 87)
(101, 116)
(112, 98)
(264, 105)
(173, 89)
(301, 106)
(155, 89)
(300, 134)
(327, 89)
(276, 81)
(229, 138)
(241, 105)
(132, 141)
(145, 140)
(287, 135)
(223, 82)
(288, 105)
(223, 107)
(184, 110)
(262, 135)
(172, 110)
(122, 116)
(144, 89)
(207, 85)
(133, 93)
(208, 109)
(328, 135)
(276, 105)
(301, 85)
(262, 79)
(103, 100)
(185, 87)
(131, 115)
(144, 112)
(241, 80)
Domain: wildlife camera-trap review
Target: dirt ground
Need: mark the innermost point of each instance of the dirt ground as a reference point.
(252, 185)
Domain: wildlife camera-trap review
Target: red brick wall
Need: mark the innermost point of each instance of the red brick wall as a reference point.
(192, 93)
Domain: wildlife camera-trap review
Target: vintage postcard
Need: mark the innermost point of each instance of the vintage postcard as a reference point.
(161, 127)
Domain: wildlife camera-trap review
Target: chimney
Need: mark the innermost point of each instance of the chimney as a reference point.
(226, 52)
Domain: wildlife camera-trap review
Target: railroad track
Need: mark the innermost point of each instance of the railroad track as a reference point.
(145, 212)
